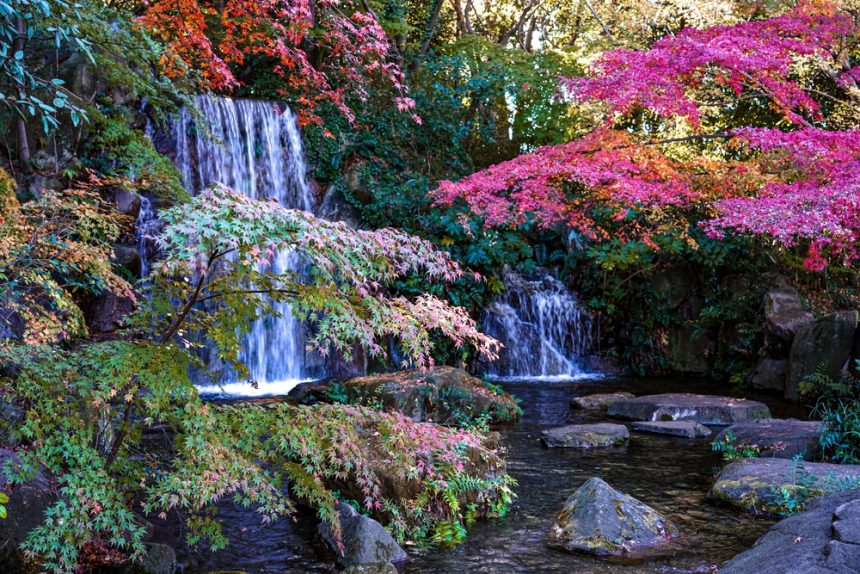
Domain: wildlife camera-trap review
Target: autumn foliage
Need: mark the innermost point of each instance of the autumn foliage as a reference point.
(209, 41)
(795, 184)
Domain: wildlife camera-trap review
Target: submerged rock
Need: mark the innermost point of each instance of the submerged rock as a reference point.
(770, 485)
(597, 519)
(599, 435)
(777, 437)
(825, 538)
(365, 541)
(444, 395)
(598, 402)
(825, 342)
(704, 409)
(684, 429)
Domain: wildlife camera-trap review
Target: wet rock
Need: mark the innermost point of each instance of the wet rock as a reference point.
(769, 375)
(604, 365)
(365, 541)
(129, 257)
(387, 568)
(597, 519)
(445, 395)
(825, 342)
(159, 559)
(784, 312)
(704, 409)
(822, 539)
(777, 437)
(106, 313)
(127, 202)
(598, 402)
(25, 510)
(600, 435)
(684, 429)
(754, 484)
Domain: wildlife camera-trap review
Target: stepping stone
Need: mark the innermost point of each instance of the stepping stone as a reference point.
(684, 429)
(598, 402)
(754, 484)
(704, 409)
(822, 539)
(600, 435)
(597, 519)
(780, 438)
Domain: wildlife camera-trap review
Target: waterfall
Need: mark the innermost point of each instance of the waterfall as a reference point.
(146, 228)
(254, 147)
(545, 329)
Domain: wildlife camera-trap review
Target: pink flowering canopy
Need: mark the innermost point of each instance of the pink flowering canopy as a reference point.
(797, 187)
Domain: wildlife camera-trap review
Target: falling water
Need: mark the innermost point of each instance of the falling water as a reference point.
(544, 328)
(146, 229)
(254, 147)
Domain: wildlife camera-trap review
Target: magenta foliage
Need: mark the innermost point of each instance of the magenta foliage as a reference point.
(755, 56)
(819, 201)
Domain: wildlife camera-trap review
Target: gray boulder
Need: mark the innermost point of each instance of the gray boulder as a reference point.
(598, 402)
(824, 343)
(159, 559)
(756, 484)
(683, 429)
(777, 437)
(824, 539)
(25, 511)
(599, 435)
(784, 312)
(769, 375)
(597, 519)
(127, 202)
(704, 409)
(366, 543)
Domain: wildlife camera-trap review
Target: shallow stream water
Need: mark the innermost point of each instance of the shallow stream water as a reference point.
(670, 474)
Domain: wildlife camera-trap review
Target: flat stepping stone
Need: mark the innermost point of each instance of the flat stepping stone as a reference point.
(704, 409)
(598, 402)
(684, 429)
(780, 438)
(597, 519)
(754, 484)
(599, 435)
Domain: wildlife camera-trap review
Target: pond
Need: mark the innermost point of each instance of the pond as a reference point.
(670, 474)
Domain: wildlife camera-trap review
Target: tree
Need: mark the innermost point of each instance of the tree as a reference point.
(788, 70)
(325, 51)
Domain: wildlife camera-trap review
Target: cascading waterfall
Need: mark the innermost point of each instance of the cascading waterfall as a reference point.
(254, 147)
(146, 228)
(544, 328)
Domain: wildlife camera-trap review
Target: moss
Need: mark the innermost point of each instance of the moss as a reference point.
(119, 150)
(8, 189)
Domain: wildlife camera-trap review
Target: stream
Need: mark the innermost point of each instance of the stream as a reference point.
(670, 474)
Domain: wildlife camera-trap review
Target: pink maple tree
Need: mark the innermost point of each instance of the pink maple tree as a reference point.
(795, 186)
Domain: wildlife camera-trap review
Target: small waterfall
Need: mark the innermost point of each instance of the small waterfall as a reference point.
(545, 329)
(254, 147)
(146, 228)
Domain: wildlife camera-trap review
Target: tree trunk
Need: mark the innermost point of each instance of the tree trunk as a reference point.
(429, 32)
(18, 45)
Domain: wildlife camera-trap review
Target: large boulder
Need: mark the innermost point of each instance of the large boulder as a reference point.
(599, 435)
(365, 541)
(444, 395)
(683, 429)
(704, 409)
(769, 375)
(598, 402)
(690, 349)
(784, 312)
(25, 510)
(773, 485)
(597, 519)
(825, 343)
(107, 312)
(824, 539)
(777, 437)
